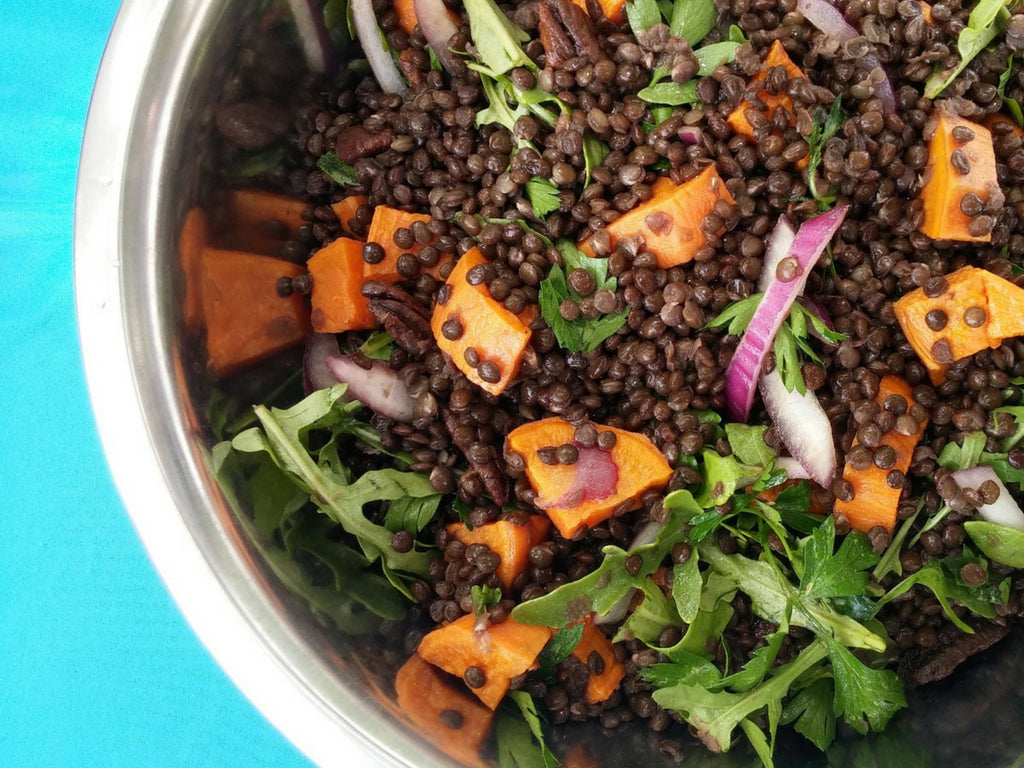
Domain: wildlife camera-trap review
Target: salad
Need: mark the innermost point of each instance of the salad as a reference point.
(660, 360)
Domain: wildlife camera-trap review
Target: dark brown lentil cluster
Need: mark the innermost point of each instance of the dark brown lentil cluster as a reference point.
(424, 152)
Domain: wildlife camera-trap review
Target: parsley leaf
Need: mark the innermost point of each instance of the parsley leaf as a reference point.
(692, 20)
(864, 697)
(559, 648)
(484, 597)
(496, 38)
(671, 94)
(642, 14)
(521, 741)
(824, 128)
(710, 57)
(582, 334)
(835, 575)
(594, 153)
(810, 711)
(544, 196)
(748, 444)
(340, 173)
(737, 316)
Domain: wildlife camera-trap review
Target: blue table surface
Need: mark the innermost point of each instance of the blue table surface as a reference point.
(97, 667)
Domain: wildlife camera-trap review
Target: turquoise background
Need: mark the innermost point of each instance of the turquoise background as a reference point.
(97, 667)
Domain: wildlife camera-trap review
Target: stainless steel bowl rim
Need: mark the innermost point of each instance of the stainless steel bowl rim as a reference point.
(148, 58)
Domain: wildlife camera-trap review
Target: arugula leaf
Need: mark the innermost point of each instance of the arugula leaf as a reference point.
(594, 152)
(942, 586)
(686, 668)
(965, 455)
(715, 715)
(543, 195)
(686, 589)
(559, 648)
(1011, 104)
(599, 591)
(997, 542)
(649, 619)
(671, 94)
(835, 575)
(692, 20)
(583, 334)
(983, 25)
(761, 661)
(283, 437)
(378, 346)
(496, 38)
(824, 128)
(713, 615)
(864, 697)
(810, 711)
(484, 597)
(642, 14)
(889, 562)
(340, 173)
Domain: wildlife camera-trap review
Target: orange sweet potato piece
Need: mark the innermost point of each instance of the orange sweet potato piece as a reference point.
(490, 330)
(600, 483)
(980, 309)
(613, 10)
(386, 221)
(998, 118)
(407, 19)
(945, 183)
(776, 57)
(670, 221)
(874, 502)
(337, 300)
(195, 236)
(345, 209)
(262, 222)
(502, 651)
(511, 542)
(448, 716)
(245, 319)
(593, 640)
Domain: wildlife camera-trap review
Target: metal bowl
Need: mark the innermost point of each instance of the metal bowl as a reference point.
(142, 167)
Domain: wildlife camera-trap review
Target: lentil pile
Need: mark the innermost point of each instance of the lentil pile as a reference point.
(662, 372)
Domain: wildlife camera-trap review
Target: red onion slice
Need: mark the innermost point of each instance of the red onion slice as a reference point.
(794, 469)
(315, 373)
(1004, 510)
(437, 27)
(830, 21)
(316, 40)
(389, 78)
(779, 243)
(744, 370)
(379, 388)
(595, 477)
(802, 426)
(691, 134)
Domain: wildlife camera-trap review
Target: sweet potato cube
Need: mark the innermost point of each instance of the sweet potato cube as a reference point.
(502, 651)
(338, 302)
(671, 221)
(510, 542)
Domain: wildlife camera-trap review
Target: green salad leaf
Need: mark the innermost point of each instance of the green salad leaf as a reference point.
(544, 196)
(497, 40)
(983, 26)
(339, 172)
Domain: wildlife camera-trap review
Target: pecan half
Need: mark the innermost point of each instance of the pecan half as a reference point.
(400, 314)
(566, 32)
(355, 142)
(490, 471)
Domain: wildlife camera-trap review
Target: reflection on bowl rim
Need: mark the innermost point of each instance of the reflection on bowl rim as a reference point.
(125, 332)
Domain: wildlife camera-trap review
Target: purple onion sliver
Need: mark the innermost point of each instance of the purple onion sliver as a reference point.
(380, 388)
(691, 134)
(827, 18)
(802, 426)
(384, 68)
(315, 374)
(1004, 510)
(745, 368)
(779, 243)
(437, 28)
(316, 40)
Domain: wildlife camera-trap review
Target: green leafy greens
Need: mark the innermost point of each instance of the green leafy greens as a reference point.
(983, 26)
(582, 334)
